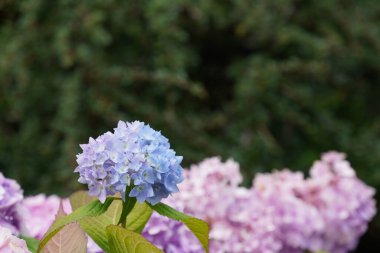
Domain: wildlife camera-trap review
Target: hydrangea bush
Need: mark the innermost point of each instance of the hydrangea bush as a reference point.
(131, 170)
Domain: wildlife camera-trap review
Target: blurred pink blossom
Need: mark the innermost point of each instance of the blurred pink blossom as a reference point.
(283, 212)
(10, 243)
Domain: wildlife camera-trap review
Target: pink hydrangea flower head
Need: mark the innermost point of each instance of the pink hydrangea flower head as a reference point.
(346, 212)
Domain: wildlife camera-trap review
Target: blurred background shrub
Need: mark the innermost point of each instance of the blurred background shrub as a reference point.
(271, 83)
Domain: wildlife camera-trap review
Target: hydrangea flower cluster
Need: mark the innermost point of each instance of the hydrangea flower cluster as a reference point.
(133, 154)
(345, 203)
(10, 243)
(282, 213)
(10, 197)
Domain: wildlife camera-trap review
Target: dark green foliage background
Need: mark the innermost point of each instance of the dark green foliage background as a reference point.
(271, 83)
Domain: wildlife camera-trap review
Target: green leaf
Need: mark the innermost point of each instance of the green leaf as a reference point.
(138, 217)
(199, 227)
(32, 243)
(95, 226)
(71, 239)
(94, 208)
(122, 240)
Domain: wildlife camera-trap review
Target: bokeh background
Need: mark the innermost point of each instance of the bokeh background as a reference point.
(270, 83)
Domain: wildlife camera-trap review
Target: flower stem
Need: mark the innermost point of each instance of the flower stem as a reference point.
(128, 205)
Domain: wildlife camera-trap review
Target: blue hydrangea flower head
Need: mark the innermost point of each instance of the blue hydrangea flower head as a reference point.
(133, 153)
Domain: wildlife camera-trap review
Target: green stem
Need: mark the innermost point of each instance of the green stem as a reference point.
(128, 205)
